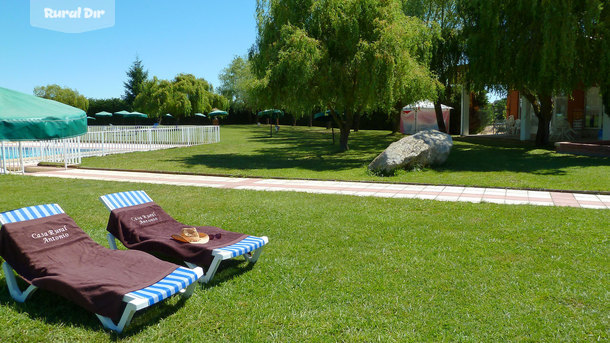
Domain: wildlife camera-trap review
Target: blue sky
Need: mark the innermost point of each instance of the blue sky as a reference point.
(200, 37)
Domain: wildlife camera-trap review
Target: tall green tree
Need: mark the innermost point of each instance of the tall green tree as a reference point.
(538, 47)
(237, 83)
(348, 56)
(67, 96)
(447, 53)
(136, 76)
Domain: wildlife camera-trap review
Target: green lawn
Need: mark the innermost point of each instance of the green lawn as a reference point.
(352, 269)
(301, 152)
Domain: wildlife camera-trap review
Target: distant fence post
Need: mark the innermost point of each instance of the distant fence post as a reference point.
(21, 158)
(3, 159)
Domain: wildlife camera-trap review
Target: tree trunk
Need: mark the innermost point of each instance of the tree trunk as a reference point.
(344, 123)
(395, 116)
(439, 116)
(343, 136)
(544, 119)
(395, 122)
(543, 109)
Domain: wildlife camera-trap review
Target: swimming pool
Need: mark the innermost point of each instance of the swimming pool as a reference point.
(12, 152)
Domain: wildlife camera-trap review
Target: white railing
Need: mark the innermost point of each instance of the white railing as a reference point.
(100, 141)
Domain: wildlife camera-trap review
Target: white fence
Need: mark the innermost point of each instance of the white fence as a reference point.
(100, 141)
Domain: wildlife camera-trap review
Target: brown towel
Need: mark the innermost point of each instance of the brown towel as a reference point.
(148, 228)
(53, 253)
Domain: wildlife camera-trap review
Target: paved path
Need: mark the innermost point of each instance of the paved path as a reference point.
(387, 190)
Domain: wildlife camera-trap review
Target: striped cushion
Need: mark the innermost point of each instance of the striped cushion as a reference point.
(168, 286)
(125, 199)
(244, 246)
(29, 213)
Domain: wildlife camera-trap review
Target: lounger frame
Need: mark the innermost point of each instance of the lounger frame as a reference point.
(250, 247)
(133, 301)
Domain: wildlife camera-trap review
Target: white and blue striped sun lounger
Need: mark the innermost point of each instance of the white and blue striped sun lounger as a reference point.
(250, 247)
(182, 280)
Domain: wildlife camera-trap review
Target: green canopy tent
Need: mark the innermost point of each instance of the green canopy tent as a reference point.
(25, 117)
(271, 114)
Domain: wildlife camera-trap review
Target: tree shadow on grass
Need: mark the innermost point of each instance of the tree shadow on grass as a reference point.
(492, 154)
(308, 150)
(313, 150)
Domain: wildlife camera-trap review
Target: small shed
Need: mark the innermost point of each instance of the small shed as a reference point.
(421, 116)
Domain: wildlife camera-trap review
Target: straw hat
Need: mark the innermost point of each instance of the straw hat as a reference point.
(190, 235)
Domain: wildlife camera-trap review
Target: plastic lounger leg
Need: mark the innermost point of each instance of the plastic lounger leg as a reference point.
(252, 258)
(111, 241)
(13, 288)
(211, 271)
(130, 310)
(188, 291)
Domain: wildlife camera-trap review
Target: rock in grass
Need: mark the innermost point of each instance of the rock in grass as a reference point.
(425, 148)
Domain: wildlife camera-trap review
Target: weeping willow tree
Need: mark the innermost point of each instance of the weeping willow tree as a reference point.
(348, 56)
(538, 47)
(183, 96)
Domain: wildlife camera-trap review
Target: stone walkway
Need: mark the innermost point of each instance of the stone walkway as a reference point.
(387, 190)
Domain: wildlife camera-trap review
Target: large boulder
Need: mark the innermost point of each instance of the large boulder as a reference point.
(425, 148)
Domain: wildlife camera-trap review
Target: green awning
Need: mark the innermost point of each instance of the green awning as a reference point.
(25, 117)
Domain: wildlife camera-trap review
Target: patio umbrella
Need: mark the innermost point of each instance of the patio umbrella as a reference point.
(25, 117)
(122, 113)
(200, 115)
(271, 114)
(136, 114)
(167, 115)
(91, 118)
(217, 112)
(103, 114)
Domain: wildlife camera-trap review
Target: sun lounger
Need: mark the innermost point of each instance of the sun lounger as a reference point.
(49, 251)
(139, 223)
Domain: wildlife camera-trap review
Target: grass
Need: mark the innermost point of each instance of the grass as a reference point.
(353, 269)
(301, 152)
